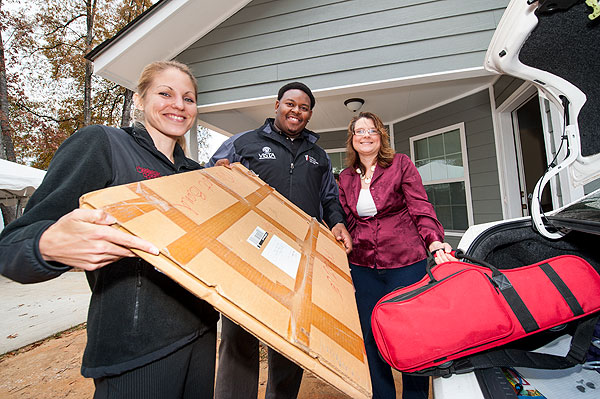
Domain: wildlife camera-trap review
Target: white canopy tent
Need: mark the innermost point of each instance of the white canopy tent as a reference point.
(17, 183)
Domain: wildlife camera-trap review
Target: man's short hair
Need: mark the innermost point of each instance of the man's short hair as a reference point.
(297, 86)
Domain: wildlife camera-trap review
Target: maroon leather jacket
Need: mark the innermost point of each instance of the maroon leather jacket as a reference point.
(405, 223)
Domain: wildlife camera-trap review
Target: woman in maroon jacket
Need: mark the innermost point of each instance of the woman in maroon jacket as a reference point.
(392, 225)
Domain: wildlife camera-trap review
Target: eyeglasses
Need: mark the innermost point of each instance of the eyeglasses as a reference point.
(365, 132)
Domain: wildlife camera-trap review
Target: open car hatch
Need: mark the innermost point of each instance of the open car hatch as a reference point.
(554, 44)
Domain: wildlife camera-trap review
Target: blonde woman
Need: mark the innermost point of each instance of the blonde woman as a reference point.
(147, 336)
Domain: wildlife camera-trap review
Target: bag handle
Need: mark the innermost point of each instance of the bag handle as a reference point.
(459, 254)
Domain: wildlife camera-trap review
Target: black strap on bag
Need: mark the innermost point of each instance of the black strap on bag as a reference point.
(580, 344)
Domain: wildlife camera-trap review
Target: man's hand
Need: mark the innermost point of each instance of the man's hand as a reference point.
(342, 235)
(83, 238)
(223, 162)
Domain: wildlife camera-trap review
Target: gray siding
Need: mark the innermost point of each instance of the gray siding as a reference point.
(475, 112)
(328, 43)
(504, 87)
(591, 187)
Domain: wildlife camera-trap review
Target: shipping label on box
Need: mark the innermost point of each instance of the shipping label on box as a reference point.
(234, 241)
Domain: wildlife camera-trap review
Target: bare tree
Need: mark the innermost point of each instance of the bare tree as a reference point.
(127, 103)
(7, 150)
(90, 6)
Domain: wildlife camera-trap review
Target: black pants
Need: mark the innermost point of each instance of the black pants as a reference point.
(184, 374)
(237, 376)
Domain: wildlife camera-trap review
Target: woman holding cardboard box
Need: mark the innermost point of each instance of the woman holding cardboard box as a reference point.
(147, 336)
(392, 226)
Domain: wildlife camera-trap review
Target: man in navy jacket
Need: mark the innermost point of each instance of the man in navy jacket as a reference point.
(285, 155)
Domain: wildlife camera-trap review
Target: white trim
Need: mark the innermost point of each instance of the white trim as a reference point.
(506, 151)
(409, 80)
(191, 141)
(333, 150)
(502, 179)
(518, 142)
(344, 129)
(444, 181)
(453, 233)
(466, 177)
(442, 103)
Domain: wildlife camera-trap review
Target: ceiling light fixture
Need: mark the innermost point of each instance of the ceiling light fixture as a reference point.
(354, 104)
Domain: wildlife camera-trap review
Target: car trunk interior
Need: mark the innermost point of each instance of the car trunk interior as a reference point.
(516, 244)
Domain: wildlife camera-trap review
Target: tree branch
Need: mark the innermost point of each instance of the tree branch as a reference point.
(66, 24)
(50, 118)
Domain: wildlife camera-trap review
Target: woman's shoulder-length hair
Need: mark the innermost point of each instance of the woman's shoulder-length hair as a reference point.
(385, 156)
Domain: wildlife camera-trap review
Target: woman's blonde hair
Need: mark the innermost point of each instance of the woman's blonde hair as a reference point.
(145, 81)
(385, 156)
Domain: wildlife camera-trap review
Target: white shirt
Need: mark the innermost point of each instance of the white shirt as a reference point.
(365, 206)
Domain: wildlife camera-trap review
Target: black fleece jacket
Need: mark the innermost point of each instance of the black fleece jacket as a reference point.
(303, 174)
(136, 314)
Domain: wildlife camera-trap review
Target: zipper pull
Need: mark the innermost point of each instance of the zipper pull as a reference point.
(291, 167)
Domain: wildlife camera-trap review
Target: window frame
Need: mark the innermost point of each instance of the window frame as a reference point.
(465, 179)
(335, 151)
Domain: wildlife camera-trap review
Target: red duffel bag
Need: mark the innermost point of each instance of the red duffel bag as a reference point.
(448, 322)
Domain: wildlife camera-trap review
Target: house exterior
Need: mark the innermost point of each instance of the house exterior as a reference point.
(480, 140)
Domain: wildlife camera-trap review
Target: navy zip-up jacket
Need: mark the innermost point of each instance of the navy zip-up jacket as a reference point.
(305, 179)
(136, 314)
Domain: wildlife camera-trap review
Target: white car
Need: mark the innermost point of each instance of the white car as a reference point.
(555, 45)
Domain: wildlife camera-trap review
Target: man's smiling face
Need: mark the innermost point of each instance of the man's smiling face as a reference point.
(292, 112)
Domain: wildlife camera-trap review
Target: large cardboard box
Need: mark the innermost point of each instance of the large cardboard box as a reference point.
(235, 242)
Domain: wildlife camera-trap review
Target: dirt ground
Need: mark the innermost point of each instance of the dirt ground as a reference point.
(50, 369)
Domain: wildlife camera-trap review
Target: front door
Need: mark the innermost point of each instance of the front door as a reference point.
(531, 153)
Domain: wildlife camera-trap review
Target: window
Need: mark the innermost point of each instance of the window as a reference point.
(440, 158)
(338, 159)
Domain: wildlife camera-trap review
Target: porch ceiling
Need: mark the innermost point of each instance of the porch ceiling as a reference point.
(392, 101)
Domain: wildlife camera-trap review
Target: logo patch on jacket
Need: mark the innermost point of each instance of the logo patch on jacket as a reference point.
(148, 173)
(311, 160)
(267, 153)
